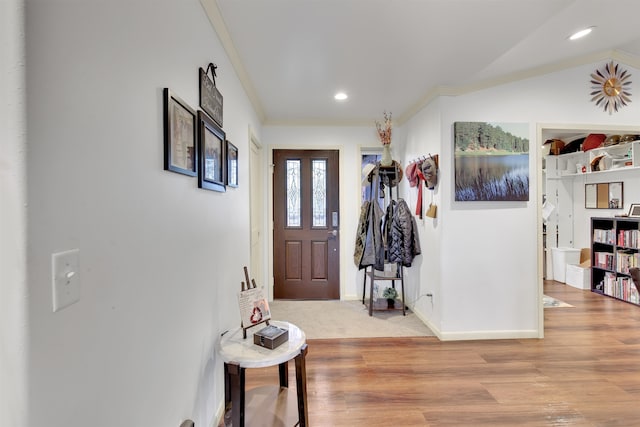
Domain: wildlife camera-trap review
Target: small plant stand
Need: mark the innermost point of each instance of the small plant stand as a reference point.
(380, 304)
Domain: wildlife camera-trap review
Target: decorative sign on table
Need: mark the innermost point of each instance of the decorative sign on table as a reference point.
(210, 97)
(254, 307)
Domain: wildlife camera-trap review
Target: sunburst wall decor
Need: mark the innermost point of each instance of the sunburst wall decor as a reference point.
(611, 87)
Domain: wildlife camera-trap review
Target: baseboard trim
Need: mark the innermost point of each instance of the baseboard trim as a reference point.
(427, 322)
(488, 335)
(474, 335)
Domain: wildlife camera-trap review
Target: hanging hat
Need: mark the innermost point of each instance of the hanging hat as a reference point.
(366, 173)
(411, 173)
(430, 172)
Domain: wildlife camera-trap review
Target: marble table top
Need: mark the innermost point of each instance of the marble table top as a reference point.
(235, 349)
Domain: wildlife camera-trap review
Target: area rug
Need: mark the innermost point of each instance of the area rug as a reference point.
(346, 319)
(550, 302)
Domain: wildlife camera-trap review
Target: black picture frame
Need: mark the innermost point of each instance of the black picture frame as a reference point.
(212, 148)
(634, 210)
(604, 195)
(180, 131)
(232, 165)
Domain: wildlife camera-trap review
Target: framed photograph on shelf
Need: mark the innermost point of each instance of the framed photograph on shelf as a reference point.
(211, 139)
(634, 210)
(180, 153)
(603, 195)
(232, 165)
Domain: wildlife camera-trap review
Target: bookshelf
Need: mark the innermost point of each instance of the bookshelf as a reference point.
(615, 249)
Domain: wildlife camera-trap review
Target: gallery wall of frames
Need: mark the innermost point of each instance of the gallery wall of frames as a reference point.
(195, 143)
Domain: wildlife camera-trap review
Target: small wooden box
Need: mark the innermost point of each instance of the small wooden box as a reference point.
(270, 337)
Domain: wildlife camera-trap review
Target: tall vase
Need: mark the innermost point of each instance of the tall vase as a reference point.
(386, 159)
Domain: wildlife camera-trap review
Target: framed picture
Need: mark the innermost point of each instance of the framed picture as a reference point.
(180, 153)
(491, 161)
(232, 165)
(211, 139)
(603, 195)
(634, 210)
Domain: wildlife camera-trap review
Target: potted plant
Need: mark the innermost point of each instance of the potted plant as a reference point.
(390, 294)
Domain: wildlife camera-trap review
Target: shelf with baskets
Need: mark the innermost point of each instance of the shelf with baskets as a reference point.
(614, 250)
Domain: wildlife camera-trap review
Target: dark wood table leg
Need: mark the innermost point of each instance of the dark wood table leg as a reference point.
(234, 392)
(301, 386)
(364, 284)
(283, 369)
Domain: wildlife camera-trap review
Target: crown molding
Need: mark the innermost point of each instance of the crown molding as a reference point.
(219, 26)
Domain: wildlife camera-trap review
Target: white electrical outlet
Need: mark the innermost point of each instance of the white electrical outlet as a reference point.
(65, 271)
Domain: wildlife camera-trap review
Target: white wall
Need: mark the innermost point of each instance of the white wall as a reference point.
(489, 249)
(160, 260)
(422, 135)
(13, 274)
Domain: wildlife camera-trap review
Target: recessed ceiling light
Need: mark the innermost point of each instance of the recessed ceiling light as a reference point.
(340, 96)
(581, 33)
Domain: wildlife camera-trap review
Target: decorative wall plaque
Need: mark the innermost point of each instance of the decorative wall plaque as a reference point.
(210, 97)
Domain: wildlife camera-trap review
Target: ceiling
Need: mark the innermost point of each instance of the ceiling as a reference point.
(292, 56)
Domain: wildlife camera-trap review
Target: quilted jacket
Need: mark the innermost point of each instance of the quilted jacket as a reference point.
(404, 242)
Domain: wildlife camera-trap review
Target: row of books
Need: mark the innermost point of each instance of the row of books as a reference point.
(620, 287)
(628, 238)
(604, 260)
(627, 260)
(604, 236)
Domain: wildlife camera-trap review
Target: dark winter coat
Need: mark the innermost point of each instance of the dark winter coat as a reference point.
(404, 242)
(369, 248)
(361, 234)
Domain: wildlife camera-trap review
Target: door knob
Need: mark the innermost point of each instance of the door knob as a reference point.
(334, 233)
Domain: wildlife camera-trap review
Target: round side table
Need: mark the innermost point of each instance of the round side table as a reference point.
(257, 407)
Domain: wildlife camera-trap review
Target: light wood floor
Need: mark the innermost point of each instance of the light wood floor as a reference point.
(585, 372)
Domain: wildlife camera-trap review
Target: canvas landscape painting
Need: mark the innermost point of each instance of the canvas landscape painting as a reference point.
(491, 161)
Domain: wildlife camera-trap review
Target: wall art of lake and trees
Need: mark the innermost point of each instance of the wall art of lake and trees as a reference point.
(491, 161)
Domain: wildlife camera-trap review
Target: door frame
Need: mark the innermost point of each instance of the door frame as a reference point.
(256, 201)
(269, 201)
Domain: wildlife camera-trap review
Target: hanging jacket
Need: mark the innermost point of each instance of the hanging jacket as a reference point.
(386, 223)
(369, 235)
(361, 234)
(405, 243)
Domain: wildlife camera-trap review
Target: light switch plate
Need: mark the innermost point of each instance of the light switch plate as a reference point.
(65, 272)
